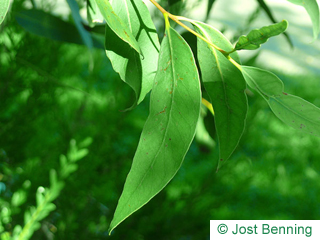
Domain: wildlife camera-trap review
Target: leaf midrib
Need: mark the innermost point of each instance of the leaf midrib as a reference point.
(166, 130)
(128, 14)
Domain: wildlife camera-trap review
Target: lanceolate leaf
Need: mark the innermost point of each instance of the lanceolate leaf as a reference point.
(169, 129)
(267, 10)
(263, 81)
(225, 85)
(93, 13)
(136, 70)
(116, 24)
(86, 37)
(4, 7)
(297, 113)
(46, 25)
(209, 7)
(313, 10)
(259, 36)
(292, 110)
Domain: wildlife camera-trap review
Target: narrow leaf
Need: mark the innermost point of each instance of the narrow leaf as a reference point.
(312, 8)
(292, 110)
(4, 7)
(225, 85)
(136, 70)
(46, 25)
(86, 37)
(93, 13)
(297, 113)
(267, 10)
(263, 81)
(169, 129)
(257, 37)
(209, 7)
(116, 24)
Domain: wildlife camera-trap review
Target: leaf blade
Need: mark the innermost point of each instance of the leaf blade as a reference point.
(292, 110)
(257, 37)
(46, 25)
(297, 113)
(312, 9)
(86, 37)
(263, 81)
(225, 85)
(267, 10)
(137, 71)
(93, 13)
(169, 130)
(115, 23)
(4, 7)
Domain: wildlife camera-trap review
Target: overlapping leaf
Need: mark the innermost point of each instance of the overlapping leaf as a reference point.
(209, 7)
(169, 129)
(4, 7)
(46, 25)
(312, 8)
(86, 37)
(292, 110)
(93, 13)
(267, 10)
(116, 24)
(225, 85)
(263, 81)
(136, 70)
(257, 37)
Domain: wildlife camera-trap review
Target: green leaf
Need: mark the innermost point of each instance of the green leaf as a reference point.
(265, 82)
(176, 7)
(292, 110)
(136, 70)
(45, 25)
(209, 7)
(297, 113)
(93, 13)
(257, 37)
(225, 85)
(86, 37)
(4, 7)
(312, 8)
(169, 129)
(267, 10)
(116, 23)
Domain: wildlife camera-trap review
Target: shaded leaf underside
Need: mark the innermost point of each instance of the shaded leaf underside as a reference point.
(169, 129)
(292, 110)
(138, 71)
(225, 85)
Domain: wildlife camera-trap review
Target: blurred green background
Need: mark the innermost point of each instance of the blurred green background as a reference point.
(52, 92)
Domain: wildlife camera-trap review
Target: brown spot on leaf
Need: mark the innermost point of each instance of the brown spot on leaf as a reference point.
(163, 111)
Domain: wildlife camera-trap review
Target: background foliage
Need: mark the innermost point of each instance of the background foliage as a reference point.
(52, 92)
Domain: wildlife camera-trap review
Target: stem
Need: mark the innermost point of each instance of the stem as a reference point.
(159, 7)
(208, 105)
(166, 19)
(195, 33)
(176, 19)
(234, 63)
